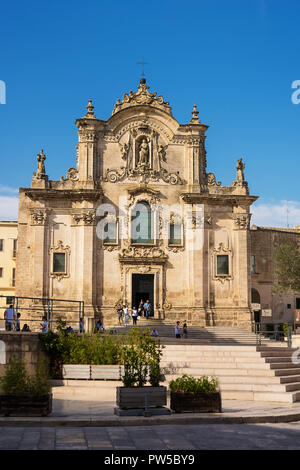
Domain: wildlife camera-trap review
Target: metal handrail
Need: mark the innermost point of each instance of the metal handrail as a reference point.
(276, 335)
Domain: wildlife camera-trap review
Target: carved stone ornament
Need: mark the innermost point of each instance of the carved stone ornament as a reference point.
(142, 255)
(39, 216)
(241, 221)
(167, 305)
(211, 180)
(142, 97)
(142, 174)
(87, 217)
(72, 175)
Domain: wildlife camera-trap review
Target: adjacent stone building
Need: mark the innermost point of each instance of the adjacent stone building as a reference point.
(139, 217)
(270, 306)
(8, 254)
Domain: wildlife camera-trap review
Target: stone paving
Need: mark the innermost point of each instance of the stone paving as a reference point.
(83, 419)
(165, 437)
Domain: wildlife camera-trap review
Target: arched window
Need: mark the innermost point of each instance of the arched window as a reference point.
(255, 297)
(142, 223)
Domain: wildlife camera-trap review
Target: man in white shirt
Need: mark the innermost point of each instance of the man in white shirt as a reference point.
(9, 316)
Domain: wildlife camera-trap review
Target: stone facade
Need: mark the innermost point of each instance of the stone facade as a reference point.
(8, 254)
(275, 308)
(140, 157)
(25, 346)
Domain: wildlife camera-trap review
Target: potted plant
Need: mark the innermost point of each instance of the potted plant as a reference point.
(196, 395)
(23, 394)
(141, 362)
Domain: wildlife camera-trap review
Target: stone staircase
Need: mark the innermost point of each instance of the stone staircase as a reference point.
(244, 372)
(203, 335)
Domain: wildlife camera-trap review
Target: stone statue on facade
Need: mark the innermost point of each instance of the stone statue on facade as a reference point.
(41, 172)
(240, 166)
(143, 153)
(124, 150)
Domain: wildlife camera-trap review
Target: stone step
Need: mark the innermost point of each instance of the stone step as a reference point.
(201, 360)
(283, 365)
(282, 397)
(213, 365)
(276, 354)
(219, 372)
(289, 379)
(283, 372)
(183, 348)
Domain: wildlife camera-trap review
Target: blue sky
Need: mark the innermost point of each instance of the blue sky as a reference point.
(236, 59)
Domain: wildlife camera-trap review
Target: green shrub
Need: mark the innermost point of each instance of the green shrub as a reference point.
(16, 380)
(141, 358)
(190, 384)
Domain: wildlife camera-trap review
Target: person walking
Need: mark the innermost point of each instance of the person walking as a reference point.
(81, 325)
(17, 324)
(44, 325)
(10, 317)
(177, 330)
(134, 315)
(126, 314)
(141, 310)
(147, 309)
(184, 330)
(120, 315)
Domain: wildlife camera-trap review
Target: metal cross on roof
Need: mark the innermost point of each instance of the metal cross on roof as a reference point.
(142, 64)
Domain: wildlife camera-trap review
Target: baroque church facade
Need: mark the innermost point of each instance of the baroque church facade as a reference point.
(139, 217)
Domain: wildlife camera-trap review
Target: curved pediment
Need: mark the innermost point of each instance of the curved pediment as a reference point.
(142, 97)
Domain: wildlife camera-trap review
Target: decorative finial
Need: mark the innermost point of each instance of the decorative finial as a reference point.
(90, 112)
(195, 119)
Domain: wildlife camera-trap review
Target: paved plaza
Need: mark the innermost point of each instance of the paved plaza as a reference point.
(83, 419)
(165, 437)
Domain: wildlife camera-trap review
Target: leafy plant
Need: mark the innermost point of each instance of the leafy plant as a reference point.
(287, 268)
(189, 384)
(16, 380)
(141, 358)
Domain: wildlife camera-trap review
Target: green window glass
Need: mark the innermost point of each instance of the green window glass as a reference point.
(175, 234)
(59, 262)
(110, 232)
(142, 224)
(222, 265)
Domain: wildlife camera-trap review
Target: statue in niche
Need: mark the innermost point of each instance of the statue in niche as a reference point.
(143, 153)
(124, 150)
(162, 153)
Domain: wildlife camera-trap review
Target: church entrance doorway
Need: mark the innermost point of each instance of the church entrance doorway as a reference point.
(143, 289)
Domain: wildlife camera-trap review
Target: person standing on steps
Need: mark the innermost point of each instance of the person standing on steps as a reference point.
(134, 315)
(147, 309)
(177, 330)
(184, 330)
(141, 310)
(126, 314)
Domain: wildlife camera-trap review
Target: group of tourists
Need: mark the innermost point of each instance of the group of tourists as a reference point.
(143, 310)
(178, 332)
(12, 320)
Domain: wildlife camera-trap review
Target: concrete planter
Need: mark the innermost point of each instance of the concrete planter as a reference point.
(26, 405)
(141, 397)
(110, 372)
(76, 371)
(196, 402)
